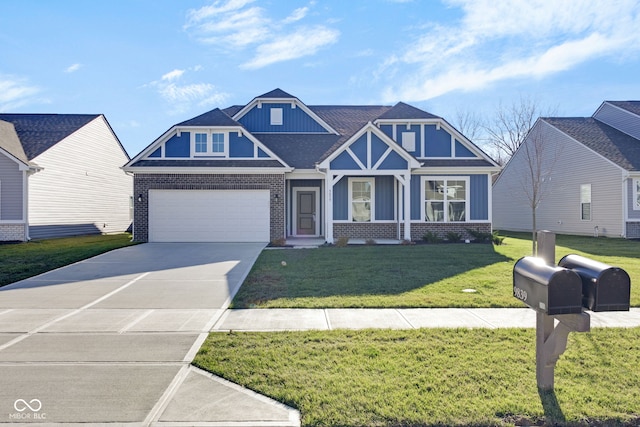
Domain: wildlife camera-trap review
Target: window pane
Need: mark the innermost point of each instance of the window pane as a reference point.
(434, 211)
(201, 142)
(361, 211)
(361, 201)
(217, 145)
(456, 190)
(434, 190)
(586, 211)
(457, 211)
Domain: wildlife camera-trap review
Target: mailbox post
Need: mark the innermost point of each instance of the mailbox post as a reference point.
(557, 296)
(560, 294)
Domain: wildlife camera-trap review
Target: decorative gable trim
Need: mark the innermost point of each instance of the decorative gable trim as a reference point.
(362, 153)
(294, 102)
(259, 147)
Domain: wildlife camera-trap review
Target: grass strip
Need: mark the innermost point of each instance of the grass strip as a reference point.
(428, 377)
(22, 260)
(411, 276)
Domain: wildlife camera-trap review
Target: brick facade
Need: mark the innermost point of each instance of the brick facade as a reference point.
(142, 183)
(12, 232)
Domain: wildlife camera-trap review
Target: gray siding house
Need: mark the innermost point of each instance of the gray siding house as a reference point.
(60, 175)
(277, 168)
(589, 175)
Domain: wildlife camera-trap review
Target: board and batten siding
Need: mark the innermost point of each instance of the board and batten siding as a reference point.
(559, 211)
(11, 190)
(81, 189)
(619, 118)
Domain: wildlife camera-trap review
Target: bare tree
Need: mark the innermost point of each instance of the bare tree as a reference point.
(536, 162)
(511, 123)
(470, 123)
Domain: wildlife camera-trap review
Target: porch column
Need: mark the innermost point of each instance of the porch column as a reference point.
(328, 205)
(407, 206)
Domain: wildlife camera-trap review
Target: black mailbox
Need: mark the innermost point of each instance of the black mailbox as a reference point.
(604, 288)
(548, 289)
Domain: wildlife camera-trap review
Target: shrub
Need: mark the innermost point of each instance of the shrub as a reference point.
(431, 237)
(342, 242)
(454, 237)
(497, 240)
(369, 242)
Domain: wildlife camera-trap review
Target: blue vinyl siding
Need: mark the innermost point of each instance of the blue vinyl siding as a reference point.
(388, 130)
(240, 146)
(479, 197)
(437, 142)
(377, 149)
(344, 161)
(462, 151)
(341, 200)
(261, 153)
(393, 162)
(178, 146)
(416, 129)
(293, 120)
(384, 198)
(359, 148)
(157, 153)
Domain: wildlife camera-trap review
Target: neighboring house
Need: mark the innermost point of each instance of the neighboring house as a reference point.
(60, 175)
(277, 168)
(591, 171)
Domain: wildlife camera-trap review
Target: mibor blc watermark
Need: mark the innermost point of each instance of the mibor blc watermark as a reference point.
(28, 410)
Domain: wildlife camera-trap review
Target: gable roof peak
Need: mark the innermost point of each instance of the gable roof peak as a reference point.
(276, 93)
(630, 106)
(402, 111)
(215, 117)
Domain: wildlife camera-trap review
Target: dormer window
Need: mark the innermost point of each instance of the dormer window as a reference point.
(209, 144)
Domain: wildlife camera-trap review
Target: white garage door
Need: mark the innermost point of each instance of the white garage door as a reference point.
(208, 215)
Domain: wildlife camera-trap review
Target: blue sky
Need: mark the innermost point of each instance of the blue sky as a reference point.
(148, 64)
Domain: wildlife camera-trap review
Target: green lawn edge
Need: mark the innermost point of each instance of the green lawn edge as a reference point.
(411, 276)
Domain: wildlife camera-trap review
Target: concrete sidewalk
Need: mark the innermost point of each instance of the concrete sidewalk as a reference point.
(264, 320)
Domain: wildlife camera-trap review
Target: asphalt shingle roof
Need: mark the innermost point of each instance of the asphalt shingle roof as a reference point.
(402, 111)
(215, 117)
(631, 106)
(300, 151)
(605, 140)
(39, 132)
(276, 93)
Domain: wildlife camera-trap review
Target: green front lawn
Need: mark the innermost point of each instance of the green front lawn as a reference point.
(434, 377)
(22, 260)
(411, 276)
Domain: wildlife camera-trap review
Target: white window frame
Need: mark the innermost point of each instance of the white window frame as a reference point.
(583, 201)
(445, 213)
(636, 194)
(372, 183)
(209, 153)
(276, 116)
(409, 141)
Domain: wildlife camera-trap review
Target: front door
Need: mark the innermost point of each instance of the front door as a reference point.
(306, 213)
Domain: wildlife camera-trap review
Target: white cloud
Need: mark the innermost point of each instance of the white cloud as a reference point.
(304, 42)
(73, 68)
(238, 25)
(15, 92)
(173, 75)
(183, 96)
(499, 40)
(296, 15)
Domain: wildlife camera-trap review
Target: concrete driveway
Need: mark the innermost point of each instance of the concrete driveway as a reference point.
(110, 339)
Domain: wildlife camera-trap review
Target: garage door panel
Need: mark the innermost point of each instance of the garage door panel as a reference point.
(209, 216)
